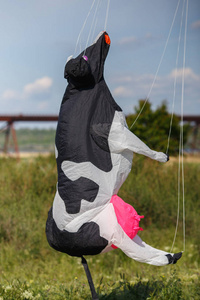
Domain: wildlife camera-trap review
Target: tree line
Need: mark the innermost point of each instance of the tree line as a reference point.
(153, 127)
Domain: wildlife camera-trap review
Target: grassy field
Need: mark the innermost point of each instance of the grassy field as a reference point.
(42, 140)
(30, 269)
(32, 140)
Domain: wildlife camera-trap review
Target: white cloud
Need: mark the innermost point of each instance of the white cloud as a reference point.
(128, 40)
(129, 89)
(122, 91)
(149, 36)
(43, 105)
(132, 41)
(196, 24)
(188, 74)
(40, 85)
(10, 94)
(123, 79)
(33, 97)
(130, 85)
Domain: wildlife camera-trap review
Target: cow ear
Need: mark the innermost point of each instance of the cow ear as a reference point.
(77, 69)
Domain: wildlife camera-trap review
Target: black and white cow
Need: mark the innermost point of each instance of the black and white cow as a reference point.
(94, 151)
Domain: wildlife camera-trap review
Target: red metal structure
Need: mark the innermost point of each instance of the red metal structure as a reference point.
(9, 127)
(195, 129)
(10, 119)
(30, 118)
(195, 119)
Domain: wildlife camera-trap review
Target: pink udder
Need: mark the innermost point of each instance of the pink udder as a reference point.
(127, 217)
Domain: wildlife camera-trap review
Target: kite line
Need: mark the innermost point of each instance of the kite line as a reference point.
(92, 25)
(106, 19)
(175, 80)
(181, 162)
(84, 25)
(94, 22)
(156, 74)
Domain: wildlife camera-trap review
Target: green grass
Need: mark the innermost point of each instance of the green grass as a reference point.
(30, 269)
(34, 140)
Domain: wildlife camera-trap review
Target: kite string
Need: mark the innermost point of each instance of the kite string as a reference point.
(106, 19)
(162, 56)
(181, 160)
(96, 21)
(84, 25)
(174, 94)
(175, 80)
(92, 25)
(182, 101)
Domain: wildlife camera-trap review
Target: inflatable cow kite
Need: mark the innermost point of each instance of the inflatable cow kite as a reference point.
(94, 151)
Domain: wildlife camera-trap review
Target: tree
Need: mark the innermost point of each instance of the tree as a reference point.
(152, 127)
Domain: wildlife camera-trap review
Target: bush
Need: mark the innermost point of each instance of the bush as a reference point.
(153, 127)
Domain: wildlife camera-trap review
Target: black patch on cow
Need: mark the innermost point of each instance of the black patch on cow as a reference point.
(86, 241)
(72, 192)
(99, 133)
(77, 117)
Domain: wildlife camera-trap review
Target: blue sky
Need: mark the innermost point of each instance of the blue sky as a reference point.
(37, 36)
